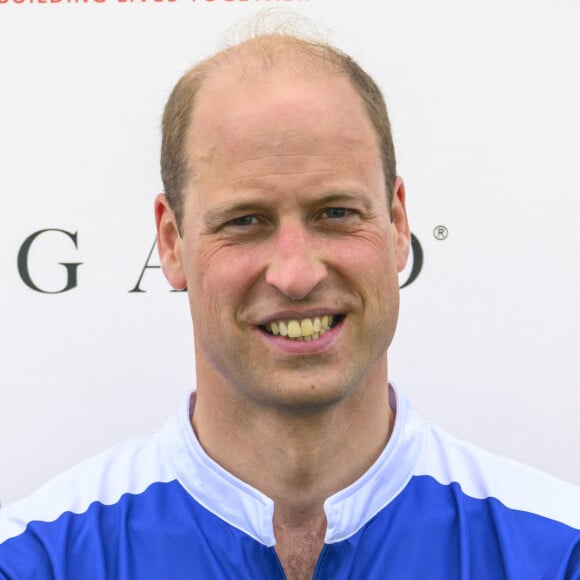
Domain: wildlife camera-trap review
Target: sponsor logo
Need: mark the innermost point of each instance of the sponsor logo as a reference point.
(71, 268)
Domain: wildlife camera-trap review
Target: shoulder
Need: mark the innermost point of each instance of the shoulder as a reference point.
(482, 475)
(465, 506)
(129, 468)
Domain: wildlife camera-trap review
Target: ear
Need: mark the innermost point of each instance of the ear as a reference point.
(169, 243)
(402, 233)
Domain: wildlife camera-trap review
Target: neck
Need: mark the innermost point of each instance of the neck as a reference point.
(297, 458)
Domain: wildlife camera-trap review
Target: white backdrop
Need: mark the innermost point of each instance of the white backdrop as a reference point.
(484, 103)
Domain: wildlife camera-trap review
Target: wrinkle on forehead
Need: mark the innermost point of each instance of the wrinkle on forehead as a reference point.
(249, 168)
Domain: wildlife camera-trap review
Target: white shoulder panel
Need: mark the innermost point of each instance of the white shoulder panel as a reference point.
(128, 468)
(481, 475)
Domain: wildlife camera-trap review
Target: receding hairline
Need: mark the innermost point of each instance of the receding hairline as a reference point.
(252, 56)
(264, 51)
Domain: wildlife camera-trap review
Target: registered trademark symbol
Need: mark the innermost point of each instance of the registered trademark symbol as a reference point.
(440, 232)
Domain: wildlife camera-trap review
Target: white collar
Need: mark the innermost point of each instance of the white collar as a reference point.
(249, 510)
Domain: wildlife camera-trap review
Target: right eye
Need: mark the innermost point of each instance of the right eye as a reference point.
(243, 221)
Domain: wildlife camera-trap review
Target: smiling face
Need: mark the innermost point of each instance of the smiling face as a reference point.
(288, 250)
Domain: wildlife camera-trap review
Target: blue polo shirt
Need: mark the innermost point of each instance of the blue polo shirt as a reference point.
(431, 506)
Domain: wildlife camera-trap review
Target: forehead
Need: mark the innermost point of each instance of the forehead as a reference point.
(290, 107)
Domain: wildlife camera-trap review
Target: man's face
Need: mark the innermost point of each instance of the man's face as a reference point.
(287, 230)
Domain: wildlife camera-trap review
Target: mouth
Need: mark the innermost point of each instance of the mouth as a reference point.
(302, 329)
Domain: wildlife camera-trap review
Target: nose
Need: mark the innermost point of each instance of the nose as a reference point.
(295, 270)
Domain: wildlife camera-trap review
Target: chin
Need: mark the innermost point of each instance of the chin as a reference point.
(305, 396)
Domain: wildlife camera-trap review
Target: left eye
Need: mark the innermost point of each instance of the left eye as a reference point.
(336, 212)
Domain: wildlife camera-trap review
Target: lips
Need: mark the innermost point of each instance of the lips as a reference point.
(302, 329)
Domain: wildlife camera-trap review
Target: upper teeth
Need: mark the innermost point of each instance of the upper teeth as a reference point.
(307, 328)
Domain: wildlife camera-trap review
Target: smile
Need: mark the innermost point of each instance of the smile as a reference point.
(304, 329)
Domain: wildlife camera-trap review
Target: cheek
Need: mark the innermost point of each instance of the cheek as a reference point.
(220, 276)
(370, 267)
(369, 259)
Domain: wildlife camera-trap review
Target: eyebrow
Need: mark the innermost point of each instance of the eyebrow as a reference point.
(338, 196)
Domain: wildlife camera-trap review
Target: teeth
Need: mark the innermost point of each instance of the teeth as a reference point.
(294, 330)
(306, 329)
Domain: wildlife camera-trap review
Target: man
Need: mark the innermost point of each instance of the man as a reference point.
(295, 458)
